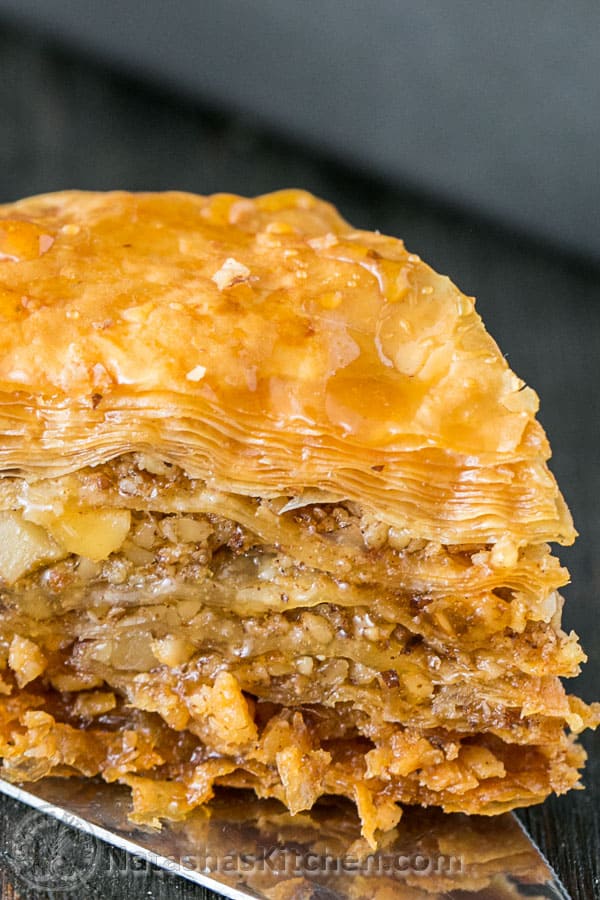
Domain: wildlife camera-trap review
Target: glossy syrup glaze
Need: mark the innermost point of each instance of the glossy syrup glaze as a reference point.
(272, 304)
(267, 330)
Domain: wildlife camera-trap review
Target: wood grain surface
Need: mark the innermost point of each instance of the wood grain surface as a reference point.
(66, 122)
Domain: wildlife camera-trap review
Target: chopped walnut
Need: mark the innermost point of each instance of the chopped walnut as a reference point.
(231, 272)
(26, 660)
(196, 374)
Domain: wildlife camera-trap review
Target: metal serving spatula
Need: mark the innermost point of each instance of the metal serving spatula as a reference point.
(241, 847)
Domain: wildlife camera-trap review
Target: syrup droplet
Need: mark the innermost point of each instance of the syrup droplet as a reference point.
(21, 241)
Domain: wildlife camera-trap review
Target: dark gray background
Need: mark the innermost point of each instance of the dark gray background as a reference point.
(492, 105)
(66, 122)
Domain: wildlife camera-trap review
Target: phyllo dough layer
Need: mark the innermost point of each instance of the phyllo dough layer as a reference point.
(274, 513)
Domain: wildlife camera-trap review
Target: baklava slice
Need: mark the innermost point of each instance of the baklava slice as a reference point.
(275, 513)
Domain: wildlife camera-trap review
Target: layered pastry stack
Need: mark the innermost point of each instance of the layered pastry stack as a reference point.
(275, 514)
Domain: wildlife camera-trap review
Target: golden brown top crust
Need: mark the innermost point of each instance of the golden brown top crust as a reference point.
(265, 343)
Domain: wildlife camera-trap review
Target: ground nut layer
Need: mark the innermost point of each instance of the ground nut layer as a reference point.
(295, 645)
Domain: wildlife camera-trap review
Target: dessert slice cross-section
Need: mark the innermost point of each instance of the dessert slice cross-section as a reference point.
(274, 514)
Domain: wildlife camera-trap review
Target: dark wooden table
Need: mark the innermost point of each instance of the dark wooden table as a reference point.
(66, 122)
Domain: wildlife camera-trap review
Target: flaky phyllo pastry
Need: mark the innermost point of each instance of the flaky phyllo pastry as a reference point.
(275, 514)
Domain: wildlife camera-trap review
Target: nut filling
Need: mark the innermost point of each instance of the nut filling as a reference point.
(200, 651)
